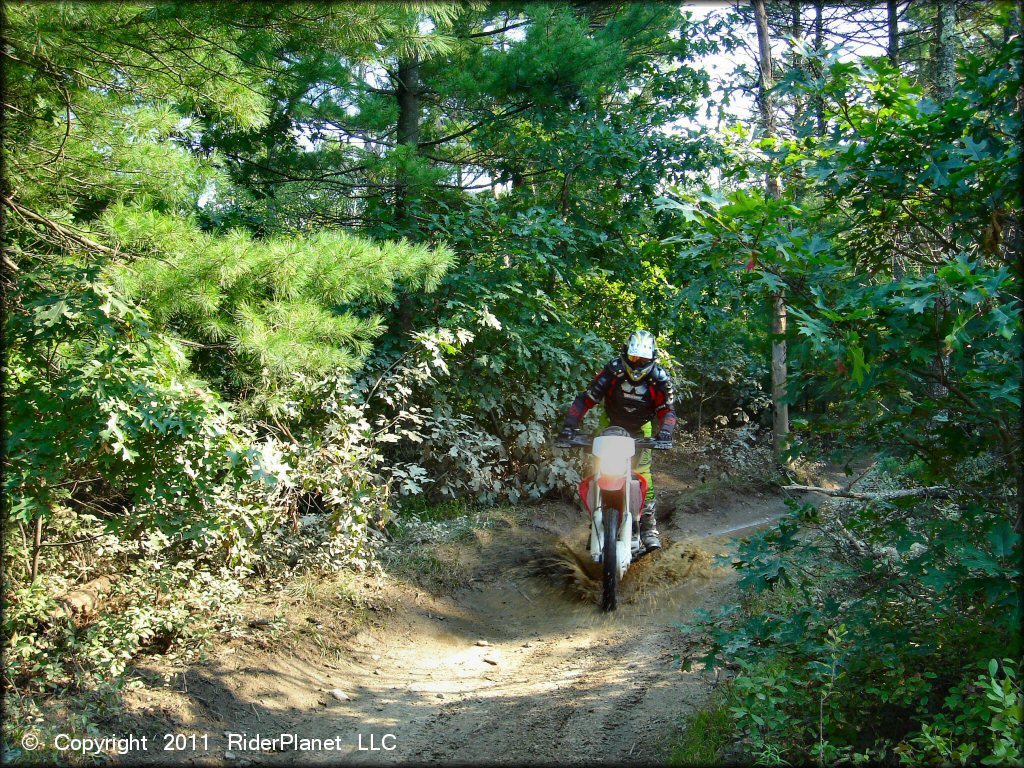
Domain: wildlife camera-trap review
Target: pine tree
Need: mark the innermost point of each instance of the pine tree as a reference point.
(107, 105)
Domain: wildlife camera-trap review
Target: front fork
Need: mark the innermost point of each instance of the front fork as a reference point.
(597, 535)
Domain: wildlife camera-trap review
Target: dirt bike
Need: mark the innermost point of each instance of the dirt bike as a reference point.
(614, 496)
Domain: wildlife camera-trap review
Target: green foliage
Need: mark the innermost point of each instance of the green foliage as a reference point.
(119, 461)
(974, 729)
(51, 654)
(281, 306)
(101, 92)
(102, 407)
(467, 433)
(866, 622)
(530, 105)
(104, 138)
(107, 416)
(335, 472)
(435, 448)
(61, 673)
(889, 251)
(722, 364)
(705, 736)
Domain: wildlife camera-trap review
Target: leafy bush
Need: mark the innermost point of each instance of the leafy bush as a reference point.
(861, 619)
(453, 430)
(102, 415)
(721, 365)
(335, 485)
(122, 465)
(972, 729)
(54, 661)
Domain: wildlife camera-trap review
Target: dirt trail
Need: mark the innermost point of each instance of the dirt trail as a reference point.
(517, 667)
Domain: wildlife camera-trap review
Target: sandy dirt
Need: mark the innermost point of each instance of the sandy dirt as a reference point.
(515, 666)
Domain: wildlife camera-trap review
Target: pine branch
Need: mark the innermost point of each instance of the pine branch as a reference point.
(492, 32)
(492, 118)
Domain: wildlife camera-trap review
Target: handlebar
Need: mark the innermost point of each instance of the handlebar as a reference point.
(586, 441)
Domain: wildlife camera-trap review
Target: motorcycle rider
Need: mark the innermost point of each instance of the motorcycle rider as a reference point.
(635, 390)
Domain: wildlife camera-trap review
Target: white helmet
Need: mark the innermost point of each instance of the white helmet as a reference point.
(638, 354)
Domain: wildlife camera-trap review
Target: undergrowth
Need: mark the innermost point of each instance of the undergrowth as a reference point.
(881, 630)
(705, 737)
(421, 548)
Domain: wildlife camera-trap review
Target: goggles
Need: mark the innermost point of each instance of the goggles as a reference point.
(638, 360)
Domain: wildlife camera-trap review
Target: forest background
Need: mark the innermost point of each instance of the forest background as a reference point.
(277, 274)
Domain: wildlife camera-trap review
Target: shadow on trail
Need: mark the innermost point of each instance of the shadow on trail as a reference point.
(518, 665)
(572, 704)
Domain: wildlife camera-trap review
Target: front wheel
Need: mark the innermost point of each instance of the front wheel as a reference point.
(611, 566)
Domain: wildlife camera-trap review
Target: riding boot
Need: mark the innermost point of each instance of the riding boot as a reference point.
(649, 528)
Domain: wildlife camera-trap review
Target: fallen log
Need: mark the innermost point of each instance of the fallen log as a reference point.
(84, 600)
(938, 491)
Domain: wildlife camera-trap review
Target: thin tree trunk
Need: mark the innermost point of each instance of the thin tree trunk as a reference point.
(945, 66)
(819, 40)
(796, 31)
(26, 550)
(799, 102)
(893, 52)
(945, 50)
(780, 422)
(765, 101)
(37, 545)
(407, 91)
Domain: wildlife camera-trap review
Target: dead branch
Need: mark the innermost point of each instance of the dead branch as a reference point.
(58, 228)
(938, 491)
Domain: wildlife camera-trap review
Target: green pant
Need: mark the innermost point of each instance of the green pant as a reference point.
(642, 460)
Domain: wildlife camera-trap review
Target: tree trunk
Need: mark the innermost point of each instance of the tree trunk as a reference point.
(563, 195)
(945, 49)
(37, 545)
(945, 79)
(892, 8)
(796, 31)
(780, 421)
(765, 100)
(893, 53)
(819, 40)
(407, 92)
(800, 63)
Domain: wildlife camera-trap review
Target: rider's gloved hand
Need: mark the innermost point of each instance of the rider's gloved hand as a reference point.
(664, 436)
(565, 436)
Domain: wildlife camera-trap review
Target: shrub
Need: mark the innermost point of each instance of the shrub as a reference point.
(862, 620)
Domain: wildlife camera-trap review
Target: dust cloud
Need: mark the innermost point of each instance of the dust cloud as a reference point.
(574, 572)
